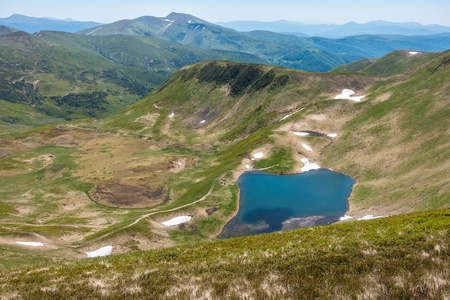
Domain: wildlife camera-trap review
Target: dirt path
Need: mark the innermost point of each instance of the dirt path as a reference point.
(146, 216)
(66, 245)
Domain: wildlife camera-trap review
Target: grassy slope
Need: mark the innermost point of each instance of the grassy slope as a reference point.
(70, 76)
(386, 143)
(394, 63)
(356, 66)
(398, 148)
(401, 257)
(242, 105)
(257, 96)
(16, 118)
(6, 29)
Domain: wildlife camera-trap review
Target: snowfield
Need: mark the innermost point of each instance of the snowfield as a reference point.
(287, 116)
(308, 165)
(346, 94)
(177, 220)
(301, 133)
(345, 218)
(32, 244)
(307, 147)
(369, 217)
(258, 155)
(105, 251)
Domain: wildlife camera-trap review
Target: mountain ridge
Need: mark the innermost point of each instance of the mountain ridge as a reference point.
(33, 24)
(310, 54)
(339, 31)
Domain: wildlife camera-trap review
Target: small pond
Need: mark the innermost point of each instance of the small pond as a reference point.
(269, 202)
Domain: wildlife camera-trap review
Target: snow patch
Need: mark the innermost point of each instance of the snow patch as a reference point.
(308, 165)
(32, 244)
(190, 21)
(179, 163)
(301, 133)
(307, 147)
(105, 251)
(345, 218)
(171, 115)
(369, 217)
(177, 220)
(346, 94)
(90, 33)
(248, 167)
(171, 22)
(202, 121)
(287, 116)
(413, 52)
(333, 135)
(167, 26)
(258, 155)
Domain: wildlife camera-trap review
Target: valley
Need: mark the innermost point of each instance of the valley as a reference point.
(136, 151)
(113, 181)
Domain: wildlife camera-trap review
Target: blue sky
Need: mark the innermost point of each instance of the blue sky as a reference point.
(323, 11)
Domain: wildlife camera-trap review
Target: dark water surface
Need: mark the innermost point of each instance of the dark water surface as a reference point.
(270, 202)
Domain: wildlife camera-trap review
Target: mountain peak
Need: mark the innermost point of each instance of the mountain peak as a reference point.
(184, 18)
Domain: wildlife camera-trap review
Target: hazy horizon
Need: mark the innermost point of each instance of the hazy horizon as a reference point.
(325, 12)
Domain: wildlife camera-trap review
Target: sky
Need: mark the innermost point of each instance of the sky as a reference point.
(307, 11)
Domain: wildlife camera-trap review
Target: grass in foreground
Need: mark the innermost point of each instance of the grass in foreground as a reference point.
(399, 257)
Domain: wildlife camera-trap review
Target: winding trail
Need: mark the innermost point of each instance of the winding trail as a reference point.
(146, 216)
(66, 245)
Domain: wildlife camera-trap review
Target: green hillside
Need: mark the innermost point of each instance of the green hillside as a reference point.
(260, 96)
(179, 152)
(355, 66)
(394, 63)
(401, 257)
(6, 29)
(69, 76)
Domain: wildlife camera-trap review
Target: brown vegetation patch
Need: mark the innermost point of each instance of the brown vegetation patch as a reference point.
(64, 140)
(5, 152)
(128, 196)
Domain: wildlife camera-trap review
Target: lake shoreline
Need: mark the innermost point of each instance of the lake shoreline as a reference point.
(289, 223)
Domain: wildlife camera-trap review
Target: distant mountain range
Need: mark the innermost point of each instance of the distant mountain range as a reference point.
(100, 70)
(189, 30)
(310, 54)
(338, 31)
(32, 24)
(287, 50)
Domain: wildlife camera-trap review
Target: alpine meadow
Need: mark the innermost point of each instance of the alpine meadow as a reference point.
(122, 145)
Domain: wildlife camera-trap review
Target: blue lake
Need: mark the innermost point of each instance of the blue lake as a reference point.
(270, 202)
